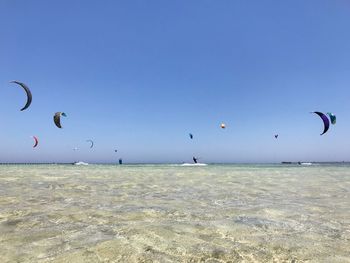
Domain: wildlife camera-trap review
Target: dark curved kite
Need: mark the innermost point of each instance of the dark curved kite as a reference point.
(276, 136)
(191, 135)
(36, 141)
(57, 118)
(92, 143)
(325, 121)
(27, 90)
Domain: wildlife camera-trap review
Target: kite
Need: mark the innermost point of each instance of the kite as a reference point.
(332, 117)
(57, 118)
(325, 121)
(36, 141)
(27, 90)
(92, 143)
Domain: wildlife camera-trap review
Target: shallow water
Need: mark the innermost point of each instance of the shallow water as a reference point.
(168, 213)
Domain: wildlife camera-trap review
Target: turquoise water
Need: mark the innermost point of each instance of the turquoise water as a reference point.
(169, 213)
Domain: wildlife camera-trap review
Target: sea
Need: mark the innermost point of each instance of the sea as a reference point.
(170, 213)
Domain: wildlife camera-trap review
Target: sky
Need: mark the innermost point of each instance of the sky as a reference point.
(138, 76)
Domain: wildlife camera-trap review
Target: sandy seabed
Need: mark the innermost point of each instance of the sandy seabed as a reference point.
(169, 213)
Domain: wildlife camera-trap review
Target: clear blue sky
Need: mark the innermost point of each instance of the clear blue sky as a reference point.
(138, 76)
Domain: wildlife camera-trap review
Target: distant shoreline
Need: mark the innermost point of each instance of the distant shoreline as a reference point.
(116, 163)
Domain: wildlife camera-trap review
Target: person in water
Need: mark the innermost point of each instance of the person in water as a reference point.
(194, 159)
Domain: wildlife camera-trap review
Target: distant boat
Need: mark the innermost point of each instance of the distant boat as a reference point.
(306, 163)
(80, 163)
(299, 163)
(194, 164)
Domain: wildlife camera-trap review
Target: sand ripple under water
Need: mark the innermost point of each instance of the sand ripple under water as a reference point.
(164, 213)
